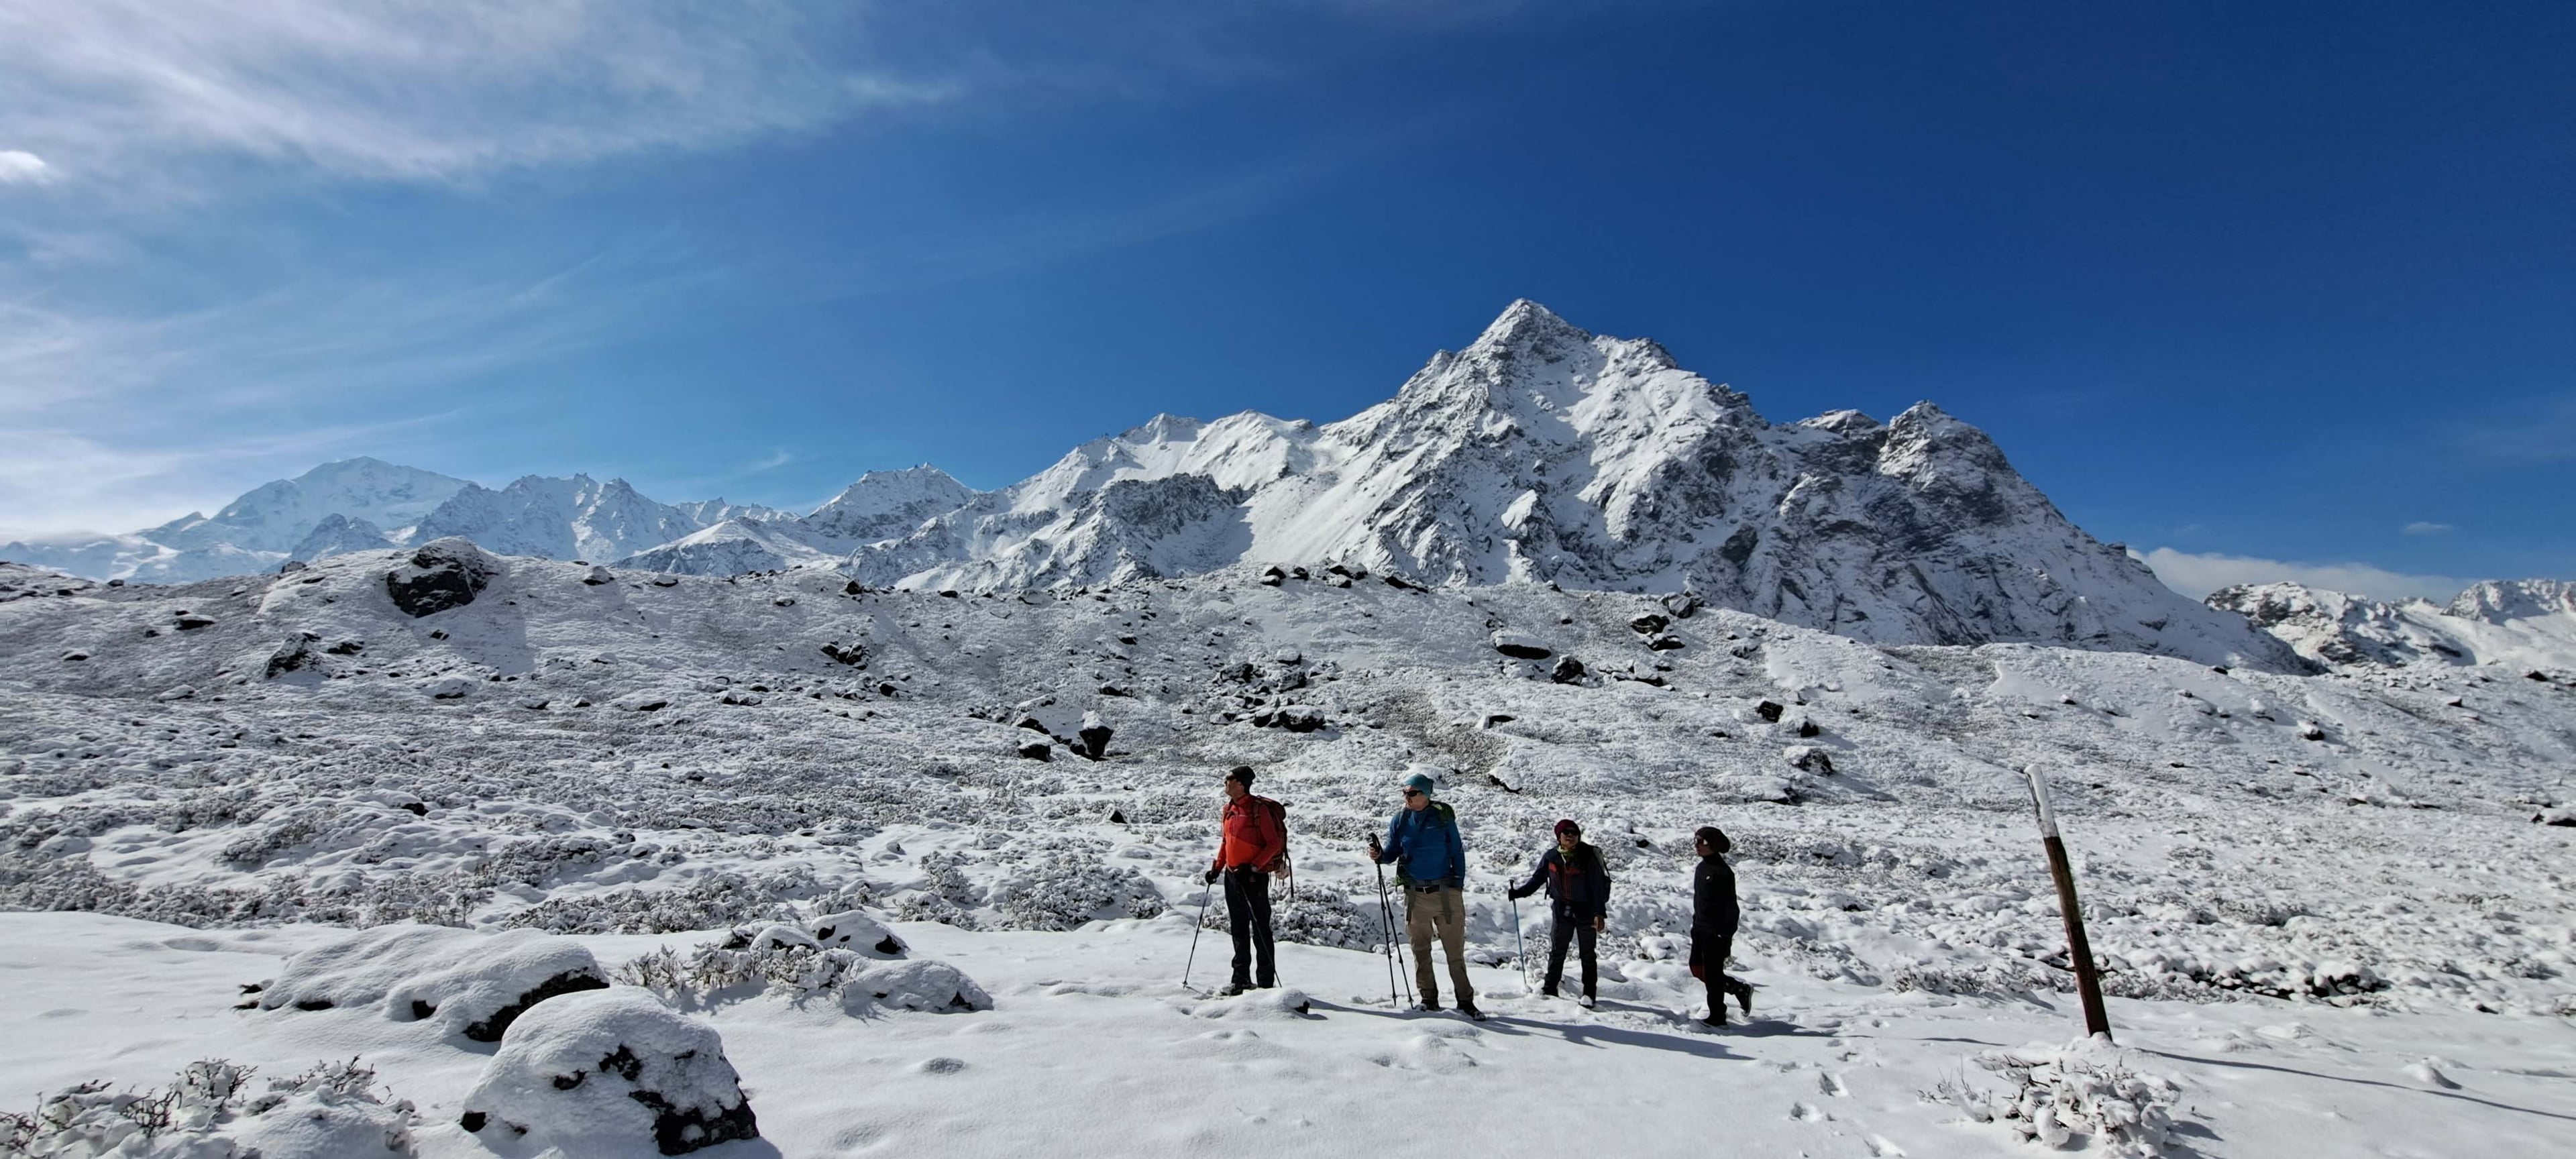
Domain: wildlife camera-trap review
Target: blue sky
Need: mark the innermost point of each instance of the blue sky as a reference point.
(2265, 287)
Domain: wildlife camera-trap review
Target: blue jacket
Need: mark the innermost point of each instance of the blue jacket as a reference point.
(1425, 846)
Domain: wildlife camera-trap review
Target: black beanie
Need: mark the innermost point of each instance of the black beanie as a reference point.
(1241, 773)
(1715, 837)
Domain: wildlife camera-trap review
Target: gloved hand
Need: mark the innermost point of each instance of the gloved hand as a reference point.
(1599, 923)
(1211, 877)
(1516, 894)
(1376, 852)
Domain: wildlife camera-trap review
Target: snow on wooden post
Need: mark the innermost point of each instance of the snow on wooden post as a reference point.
(2088, 982)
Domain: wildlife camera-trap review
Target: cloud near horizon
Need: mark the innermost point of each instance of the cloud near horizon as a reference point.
(2197, 574)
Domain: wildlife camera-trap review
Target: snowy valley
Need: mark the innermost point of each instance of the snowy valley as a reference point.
(812, 795)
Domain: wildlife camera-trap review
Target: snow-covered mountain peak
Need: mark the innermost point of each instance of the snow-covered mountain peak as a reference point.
(2498, 601)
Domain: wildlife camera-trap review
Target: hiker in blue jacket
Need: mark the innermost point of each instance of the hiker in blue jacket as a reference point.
(1578, 888)
(1431, 864)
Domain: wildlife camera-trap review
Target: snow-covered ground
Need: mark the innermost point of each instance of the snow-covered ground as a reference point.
(2328, 907)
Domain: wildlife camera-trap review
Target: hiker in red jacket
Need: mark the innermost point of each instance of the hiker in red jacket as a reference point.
(1254, 840)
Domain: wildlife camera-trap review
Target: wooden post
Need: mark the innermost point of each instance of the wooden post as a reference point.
(2088, 981)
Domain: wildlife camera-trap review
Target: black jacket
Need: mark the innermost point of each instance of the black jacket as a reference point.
(1713, 912)
(1580, 886)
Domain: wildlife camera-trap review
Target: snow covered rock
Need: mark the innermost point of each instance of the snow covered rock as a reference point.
(854, 930)
(468, 983)
(1095, 734)
(605, 1072)
(442, 574)
(598, 576)
(447, 688)
(1521, 645)
(293, 655)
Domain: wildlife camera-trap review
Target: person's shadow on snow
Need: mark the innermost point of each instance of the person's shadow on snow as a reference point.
(1579, 1033)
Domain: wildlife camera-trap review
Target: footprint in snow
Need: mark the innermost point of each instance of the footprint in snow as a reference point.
(1881, 1148)
(1805, 1112)
(2431, 1076)
(1832, 1084)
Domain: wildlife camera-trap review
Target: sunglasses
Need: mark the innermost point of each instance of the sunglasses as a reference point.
(1413, 792)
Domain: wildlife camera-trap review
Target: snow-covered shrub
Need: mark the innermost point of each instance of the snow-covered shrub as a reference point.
(717, 899)
(1322, 914)
(2086, 1087)
(849, 957)
(470, 983)
(328, 1112)
(602, 1072)
(1065, 889)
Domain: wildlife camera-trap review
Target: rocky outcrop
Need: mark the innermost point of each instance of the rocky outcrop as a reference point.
(442, 574)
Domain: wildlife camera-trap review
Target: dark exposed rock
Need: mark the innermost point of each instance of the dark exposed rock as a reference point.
(1094, 735)
(1567, 670)
(568, 982)
(854, 655)
(292, 566)
(1664, 642)
(347, 648)
(1810, 758)
(443, 574)
(190, 622)
(1521, 645)
(1272, 577)
(1030, 723)
(598, 576)
(1648, 623)
(1681, 604)
(295, 654)
(1769, 710)
(1038, 750)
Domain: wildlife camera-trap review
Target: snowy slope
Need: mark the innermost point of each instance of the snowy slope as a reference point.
(733, 547)
(2335, 877)
(1544, 453)
(2520, 623)
(885, 504)
(339, 535)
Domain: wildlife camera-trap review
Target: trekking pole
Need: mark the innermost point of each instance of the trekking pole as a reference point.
(1520, 949)
(1208, 895)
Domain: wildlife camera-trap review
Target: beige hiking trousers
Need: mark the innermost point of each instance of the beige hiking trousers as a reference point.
(1443, 910)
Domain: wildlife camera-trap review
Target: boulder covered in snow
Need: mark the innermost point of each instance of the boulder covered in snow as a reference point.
(854, 930)
(606, 1072)
(469, 983)
(1521, 645)
(443, 573)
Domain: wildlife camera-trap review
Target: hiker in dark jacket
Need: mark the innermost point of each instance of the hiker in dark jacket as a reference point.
(1250, 846)
(1713, 918)
(1578, 888)
(1431, 864)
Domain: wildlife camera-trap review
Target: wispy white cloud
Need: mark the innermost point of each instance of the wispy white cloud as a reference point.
(2548, 436)
(115, 92)
(59, 482)
(19, 167)
(2420, 527)
(2196, 574)
(111, 422)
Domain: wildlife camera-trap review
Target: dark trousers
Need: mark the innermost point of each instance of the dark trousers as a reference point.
(1710, 955)
(1570, 928)
(1247, 911)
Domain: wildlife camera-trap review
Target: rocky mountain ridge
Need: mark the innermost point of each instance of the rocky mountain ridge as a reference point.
(1539, 453)
(2525, 623)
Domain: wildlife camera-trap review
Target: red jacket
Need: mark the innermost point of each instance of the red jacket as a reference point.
(1252, 835)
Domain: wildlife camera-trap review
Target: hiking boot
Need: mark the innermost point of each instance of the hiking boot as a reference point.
(1547, 991)
(1469, 1009)
(1428, 1006)
(1233, 988)
(1586, 1000)
(1744, 996)
(1715, 1018)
